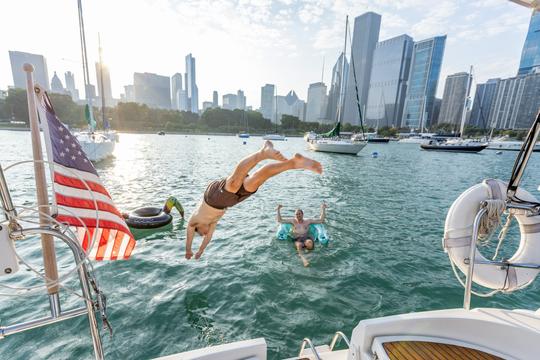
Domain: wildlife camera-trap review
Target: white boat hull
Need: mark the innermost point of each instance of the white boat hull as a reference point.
(274, 137)
(96, 149)
(337, 146)
(509, 146)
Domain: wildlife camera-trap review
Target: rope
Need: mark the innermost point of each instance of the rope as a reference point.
(491, 220)
(502, 234)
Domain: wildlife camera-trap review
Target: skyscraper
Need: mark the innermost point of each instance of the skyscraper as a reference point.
(192, 92)
(456, 92)
(530, 56)
(70, 86)
(364, 41)
(215, 102)
(483, 99)
(102, 74)
(422, 83)
(230, 101)
(268, 102)
(317, 101)
(290, 104)
(241, 100)
(152, 89)
(18, 59)
(388, 82)
(335, 88)
(56, 84)
(130, 93)
(516, 102)
(176, 89)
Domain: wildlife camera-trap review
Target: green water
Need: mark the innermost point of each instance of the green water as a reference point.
(385, 217)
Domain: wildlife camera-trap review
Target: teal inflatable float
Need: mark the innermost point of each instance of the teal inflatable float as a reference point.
(316, 231)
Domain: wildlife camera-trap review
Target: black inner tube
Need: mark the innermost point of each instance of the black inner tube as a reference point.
(148, 218)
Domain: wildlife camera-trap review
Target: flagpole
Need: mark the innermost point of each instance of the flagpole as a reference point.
(47, 241)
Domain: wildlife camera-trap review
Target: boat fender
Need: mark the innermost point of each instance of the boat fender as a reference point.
(458, 230)
(317, 232)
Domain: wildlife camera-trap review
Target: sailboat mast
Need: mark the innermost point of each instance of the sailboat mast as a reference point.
(342, 75)
(86, 74)
(101, 88)
(275, 101)
(464, 111)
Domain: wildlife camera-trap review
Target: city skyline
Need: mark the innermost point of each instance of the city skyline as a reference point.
(291, 60)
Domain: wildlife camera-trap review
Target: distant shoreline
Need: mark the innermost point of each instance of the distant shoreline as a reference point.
(12, 128)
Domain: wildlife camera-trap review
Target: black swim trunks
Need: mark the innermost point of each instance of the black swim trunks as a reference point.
(217, 197)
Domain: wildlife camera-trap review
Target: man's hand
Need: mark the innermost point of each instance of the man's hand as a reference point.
(324, 206)
(279, 207)
(189, 254)
(198, 255)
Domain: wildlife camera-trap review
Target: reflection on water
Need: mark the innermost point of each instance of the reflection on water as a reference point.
(385, 217)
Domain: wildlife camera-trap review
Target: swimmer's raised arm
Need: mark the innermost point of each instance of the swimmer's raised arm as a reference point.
(322, 218)
(280, 219)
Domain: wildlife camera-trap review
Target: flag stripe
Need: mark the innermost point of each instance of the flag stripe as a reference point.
(89, 222)
(91, 214)
(74, 202)
(102, 244)
(84, 194)
(117, 243)
(78, 184)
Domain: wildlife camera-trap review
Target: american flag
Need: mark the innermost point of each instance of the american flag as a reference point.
(104, 238)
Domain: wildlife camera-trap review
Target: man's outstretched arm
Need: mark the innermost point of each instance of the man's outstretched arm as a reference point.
(322, 218)
(206, 240)
(280, 219)
(190, 232)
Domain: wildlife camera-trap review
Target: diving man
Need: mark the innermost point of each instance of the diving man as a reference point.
(225, 193)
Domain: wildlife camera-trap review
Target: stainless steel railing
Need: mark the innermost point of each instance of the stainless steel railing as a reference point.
(312, 348)
(338, 336)
(86, 279)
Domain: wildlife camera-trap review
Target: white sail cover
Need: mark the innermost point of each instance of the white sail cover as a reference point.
(535, 4)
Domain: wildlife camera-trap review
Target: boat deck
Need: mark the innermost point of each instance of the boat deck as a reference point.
(420, 350)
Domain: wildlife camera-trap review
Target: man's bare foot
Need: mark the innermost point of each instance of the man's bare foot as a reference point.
(302, 162)
(268, 152)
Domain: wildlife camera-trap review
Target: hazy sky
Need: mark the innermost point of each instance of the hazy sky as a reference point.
(243, 44)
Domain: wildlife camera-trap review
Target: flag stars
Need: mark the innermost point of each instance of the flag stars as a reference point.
(79, 153)
(73, 145)
(61, 141)
(66, 137)
(61, 128)
(73, 157)
(67, 149)
(62, 154)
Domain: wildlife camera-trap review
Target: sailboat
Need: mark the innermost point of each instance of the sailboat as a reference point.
(332, 141)
(459, 144)
(275, 136)
(244, 135)
(96, 145)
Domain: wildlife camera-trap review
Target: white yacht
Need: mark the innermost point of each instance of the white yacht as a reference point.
(504, 143)
(274, 137)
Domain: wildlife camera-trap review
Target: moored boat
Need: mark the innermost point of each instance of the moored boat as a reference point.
(454, 146)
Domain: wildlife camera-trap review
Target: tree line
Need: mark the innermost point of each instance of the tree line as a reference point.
(139, 117)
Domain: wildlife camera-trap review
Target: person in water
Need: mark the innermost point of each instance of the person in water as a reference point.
(224, 193)
(300, 231)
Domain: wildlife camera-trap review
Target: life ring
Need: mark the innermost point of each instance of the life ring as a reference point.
(458, 232)
(317, 232)
(148, 218)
